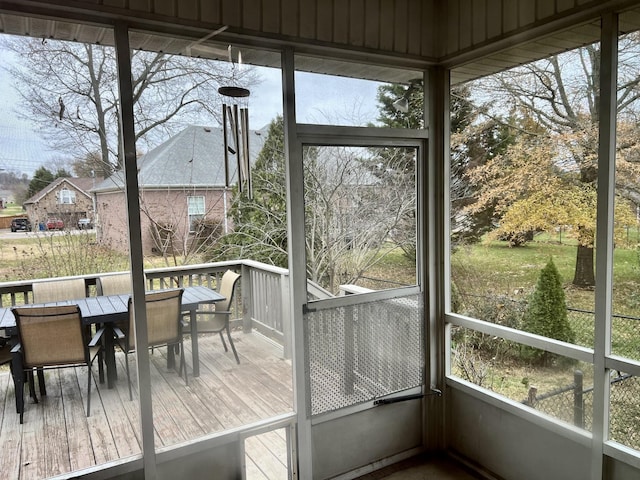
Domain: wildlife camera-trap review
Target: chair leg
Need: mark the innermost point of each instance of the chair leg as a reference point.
(41, 384)
(233, 347)
(18, 383)
(224, 344)
(101, 367)
(20, 398)
(183, 364)
(32, 386)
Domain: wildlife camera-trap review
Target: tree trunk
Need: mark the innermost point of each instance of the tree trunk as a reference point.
(584, 276)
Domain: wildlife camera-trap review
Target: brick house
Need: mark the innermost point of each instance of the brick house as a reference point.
(182, 184)
(65, 198)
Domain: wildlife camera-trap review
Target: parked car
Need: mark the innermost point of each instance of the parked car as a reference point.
(85, 223)
(20, 224)
(55, 224)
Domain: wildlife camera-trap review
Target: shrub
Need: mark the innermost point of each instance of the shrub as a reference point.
(498, 309)
(546, 314)
(64, 255)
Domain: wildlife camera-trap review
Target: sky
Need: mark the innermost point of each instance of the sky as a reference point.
(320, 99)
(21, 148)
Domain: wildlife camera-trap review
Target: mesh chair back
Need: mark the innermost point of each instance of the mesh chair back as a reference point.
(118, 284)
(227, 287)
(163, 318)
(51, 335)
(56, 290)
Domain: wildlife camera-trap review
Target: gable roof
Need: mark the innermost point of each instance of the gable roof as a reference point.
(192, 158)
(81, 184)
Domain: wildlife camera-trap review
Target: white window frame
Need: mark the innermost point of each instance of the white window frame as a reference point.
(66, 196)
(195, 211)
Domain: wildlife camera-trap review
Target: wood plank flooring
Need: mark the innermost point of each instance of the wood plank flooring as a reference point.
(57, 437)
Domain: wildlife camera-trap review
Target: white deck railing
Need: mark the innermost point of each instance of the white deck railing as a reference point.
(261, 302)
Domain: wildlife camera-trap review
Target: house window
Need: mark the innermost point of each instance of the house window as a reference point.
(196, 211)
(67, 196)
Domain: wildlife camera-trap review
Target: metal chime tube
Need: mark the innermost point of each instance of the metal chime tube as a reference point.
(236, 139)
(226, 145)
(246, 171)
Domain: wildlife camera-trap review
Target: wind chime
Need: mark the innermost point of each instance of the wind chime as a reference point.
(235, 126)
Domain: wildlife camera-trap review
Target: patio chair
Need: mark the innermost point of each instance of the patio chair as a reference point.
(56, 290)
(219, 317)
(51, 290)
(118, 284)
(51, 337)
(164, 328)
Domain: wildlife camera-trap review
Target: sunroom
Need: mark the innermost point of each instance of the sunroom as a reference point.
(501, 158)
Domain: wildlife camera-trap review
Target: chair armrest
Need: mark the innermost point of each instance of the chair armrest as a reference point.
(118, 333)
(97, 337)
(16, 348)
(213, 312)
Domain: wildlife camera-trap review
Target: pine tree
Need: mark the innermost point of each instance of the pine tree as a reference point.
(546, 313)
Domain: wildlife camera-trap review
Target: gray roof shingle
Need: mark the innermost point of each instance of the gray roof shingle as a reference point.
(194, 157)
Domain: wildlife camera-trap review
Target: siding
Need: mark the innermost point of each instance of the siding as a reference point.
(168, 206)
(469, 23)
(449, 32)
(399, 26)
(393, 26)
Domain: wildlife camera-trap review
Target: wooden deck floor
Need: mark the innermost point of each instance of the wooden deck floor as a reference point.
(58, 438)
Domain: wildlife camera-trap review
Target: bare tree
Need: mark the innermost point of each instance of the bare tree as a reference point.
(562, 94)
(70, 91)
(350, 212)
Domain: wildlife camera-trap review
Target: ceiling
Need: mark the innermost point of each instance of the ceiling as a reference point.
(478, 65)
(546, 46)
(97, 34)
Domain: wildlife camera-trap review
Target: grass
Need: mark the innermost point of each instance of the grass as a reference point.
(11, 210)
(516, 270)
(394, 269)
(58, 254)
(495, 281)
(491, 270)
(47, 255)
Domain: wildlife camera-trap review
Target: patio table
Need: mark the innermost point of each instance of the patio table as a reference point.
(113, 308)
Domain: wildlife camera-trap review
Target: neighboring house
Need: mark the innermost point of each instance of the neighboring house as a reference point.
(65, 198)
(182, 184)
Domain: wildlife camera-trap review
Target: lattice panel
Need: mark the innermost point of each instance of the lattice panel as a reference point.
(357, 353)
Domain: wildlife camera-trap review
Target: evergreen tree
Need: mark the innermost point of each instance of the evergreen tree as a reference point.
(260, 224)
(474, 140)
(41, 178)
(546, 313)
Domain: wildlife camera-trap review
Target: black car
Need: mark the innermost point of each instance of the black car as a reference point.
(20, 224)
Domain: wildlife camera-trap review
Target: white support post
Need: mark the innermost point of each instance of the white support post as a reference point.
(435, 250)
(604, 239)
(123, 54)
(297, 264)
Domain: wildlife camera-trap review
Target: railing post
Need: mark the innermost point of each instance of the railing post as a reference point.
(247, 298)
(578, 402)
(286, 317)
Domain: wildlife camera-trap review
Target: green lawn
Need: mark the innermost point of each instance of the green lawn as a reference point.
(497, 268)
(11, 210)
(495, 281)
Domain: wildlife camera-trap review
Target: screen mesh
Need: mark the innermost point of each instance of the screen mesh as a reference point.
(357, 353)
